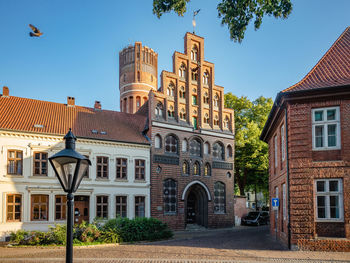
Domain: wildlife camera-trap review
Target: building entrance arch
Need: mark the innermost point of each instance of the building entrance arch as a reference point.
(196, 196)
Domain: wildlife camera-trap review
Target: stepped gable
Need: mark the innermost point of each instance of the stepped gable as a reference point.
(29, 115)
(333, 69)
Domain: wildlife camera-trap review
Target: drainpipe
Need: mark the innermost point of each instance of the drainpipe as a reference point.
(287, 167)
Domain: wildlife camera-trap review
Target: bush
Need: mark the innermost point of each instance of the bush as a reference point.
(86, 233)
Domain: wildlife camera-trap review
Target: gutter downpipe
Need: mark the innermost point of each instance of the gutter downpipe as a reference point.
(287, 167)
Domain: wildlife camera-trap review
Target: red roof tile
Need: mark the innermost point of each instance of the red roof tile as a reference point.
(28, 115)
(333, 69)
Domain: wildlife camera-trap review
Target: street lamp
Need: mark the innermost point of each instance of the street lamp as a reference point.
(70, 167)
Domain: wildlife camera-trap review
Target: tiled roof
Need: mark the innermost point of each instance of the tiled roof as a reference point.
(333, 69)
(28, 115)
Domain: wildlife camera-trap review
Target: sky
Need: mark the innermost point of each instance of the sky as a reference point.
(78, 53)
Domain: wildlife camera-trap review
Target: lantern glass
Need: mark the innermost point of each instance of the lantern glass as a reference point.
(84, 164)
(65, 168)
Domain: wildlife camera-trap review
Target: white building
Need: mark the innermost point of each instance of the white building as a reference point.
(117, 182)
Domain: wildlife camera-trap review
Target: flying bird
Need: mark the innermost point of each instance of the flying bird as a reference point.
(36, 32)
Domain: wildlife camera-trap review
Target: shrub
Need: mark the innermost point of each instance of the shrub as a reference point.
(86, 232)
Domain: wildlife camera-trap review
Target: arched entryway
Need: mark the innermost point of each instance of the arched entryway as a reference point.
(196, 196)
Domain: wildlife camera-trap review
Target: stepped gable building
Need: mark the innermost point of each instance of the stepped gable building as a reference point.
(192, 138)
(137, 76)
(308, 132)
(116, 184)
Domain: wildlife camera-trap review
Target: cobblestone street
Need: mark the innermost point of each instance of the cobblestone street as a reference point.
(241, 244)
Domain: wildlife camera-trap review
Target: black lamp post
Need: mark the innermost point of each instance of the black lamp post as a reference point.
(69, 167)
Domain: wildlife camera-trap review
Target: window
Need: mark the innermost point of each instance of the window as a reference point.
(60, 207)
(102, 167)
(40, 208)
(122, 167)
(182, 71)
(159, 110)
(138, 102)
(157, 141)
(121, 206)
(329, 199)
(14, 208)
(171, 112)
(139, 169)
(194, 74)
(170, 90)
(206, 78)
(185, 168)
(206, 148)
(169, 196)
(229, 151)
(196, 169)
(218, 151)
(170, 144)
(206, 118)
(195, 122)
(139, 206)
(184, 145)
(102, 206)
(219, 198)
(40, 163)
(206, 98)
(326, 128)
(283, 146)
(14, 162)
(216, 120)
(207, 170)
(227, 122)
(86, 174)
(194, 53)
(194, 100)
(284, 205)
(276, 195)
(183, 114)
(275, 145)
(195, 147)
(182, 93)
(216, 100)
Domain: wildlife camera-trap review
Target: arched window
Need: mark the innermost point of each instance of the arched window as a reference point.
(207, 170)
(194, 74)
(138, 102)
(170, 90)
(227, 122)
(219, 198)
(218, 151)
(183, 114)
(169, 196)
(182, 71)
(182, 93)
(206, 98)
(229, 151)
(206, 148)
(124, 77)
(159, 110)
(185, 168)
(216, 120)
(171, 112)
(194, 53)
(157, 141)
(184, 145)
(206, 78)
(195, 147)
(216, 100)
(206, 118)
(196, 168)
(170, 144)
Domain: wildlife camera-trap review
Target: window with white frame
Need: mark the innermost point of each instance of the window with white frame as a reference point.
(329, 199)
(275, 146)
(284, 201)
(283, 146)
(326, 128)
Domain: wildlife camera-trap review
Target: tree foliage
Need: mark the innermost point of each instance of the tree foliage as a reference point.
(236, 14)
(251, 154)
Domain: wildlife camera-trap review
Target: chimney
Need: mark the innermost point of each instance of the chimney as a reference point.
(97, 105)
(5, 92)
(70, 101)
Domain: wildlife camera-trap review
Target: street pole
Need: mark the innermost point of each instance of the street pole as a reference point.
(69, 242)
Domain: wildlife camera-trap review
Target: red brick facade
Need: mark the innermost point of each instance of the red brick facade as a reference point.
(316, 169)
(189, 107)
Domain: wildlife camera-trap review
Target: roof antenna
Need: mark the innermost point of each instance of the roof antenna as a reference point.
(194, 20)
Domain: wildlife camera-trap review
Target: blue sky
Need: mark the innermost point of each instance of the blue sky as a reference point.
(78, 53)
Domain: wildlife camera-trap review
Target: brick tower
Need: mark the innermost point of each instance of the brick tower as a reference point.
(137, 76)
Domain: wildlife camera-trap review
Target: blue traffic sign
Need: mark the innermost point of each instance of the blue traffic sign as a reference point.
(275, 203)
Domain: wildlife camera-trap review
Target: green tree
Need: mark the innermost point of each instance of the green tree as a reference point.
(251, 154)
(236, 14)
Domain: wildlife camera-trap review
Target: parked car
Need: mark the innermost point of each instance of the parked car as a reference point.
(256, 218)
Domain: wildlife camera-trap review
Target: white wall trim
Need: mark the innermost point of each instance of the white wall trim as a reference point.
(171, 126)
(192, 183)
(136, 83)
(217, 134)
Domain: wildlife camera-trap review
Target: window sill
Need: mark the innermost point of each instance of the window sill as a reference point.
(219, 213)
(326, 148)
(140, 181)
(329, 220)
(121, 180)
(14, 176)
(102, 179)
(170, 214)
(41, 177)
(87, 179)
